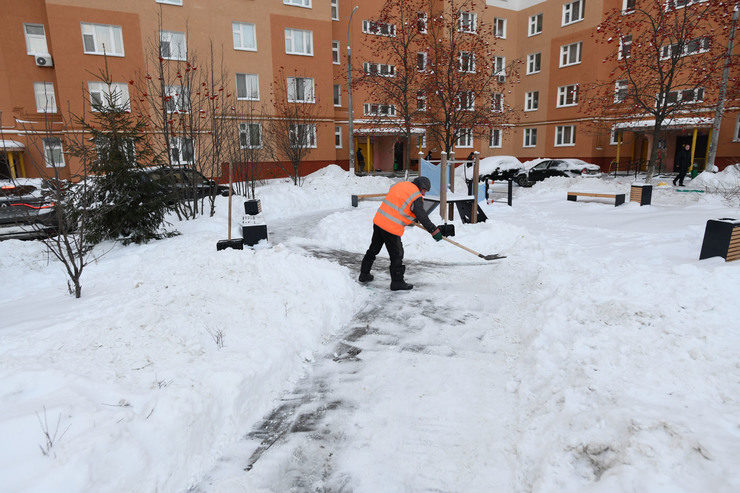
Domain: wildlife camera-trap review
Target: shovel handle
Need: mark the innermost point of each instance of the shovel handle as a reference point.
(454, 243)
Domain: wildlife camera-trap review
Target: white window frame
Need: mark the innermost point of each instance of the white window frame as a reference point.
(251, 87)
(737, 130)
(618, 87)
(622, 44)
(422, 20)
(499, 27)
(242, 30)
(560, 135)
(573, 12)
(500, 97)
(37, 37)
(309, 92)
(534, 63)
(334, 4)
(245, 129)
(311, 134)
(697, 92)
(499, 68)
(101, 89)
(50, 148)
(379, 69)
(306, 4)
(468, 22)
(535, 24)
(532, 101)
(114, 34)
(167, 37)
(421, 97)
(529, 137)
(495, 143)
(466, 62)
(687, 4)
(336, 58)
(337, 137)
(306, 41)
(337, 95)
(666, 51)
(170, 2)
(421, 141)
(625, 6)
(469, 98)
(464, 138)
(421, 55)
(179, 99)
(376, 28)
(564, 92)
(179, 144)
(613, 137)
(566, 52)
(46, 101)
(379, 109)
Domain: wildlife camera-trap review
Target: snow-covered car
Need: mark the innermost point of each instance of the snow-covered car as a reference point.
(26, 213)
(180, 182)
(499, 168)
(555, 167)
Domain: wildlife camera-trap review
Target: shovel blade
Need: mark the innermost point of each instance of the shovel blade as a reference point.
(493, 257)
(235, 244)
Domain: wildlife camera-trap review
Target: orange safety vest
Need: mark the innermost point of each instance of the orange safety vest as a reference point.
(395, 211)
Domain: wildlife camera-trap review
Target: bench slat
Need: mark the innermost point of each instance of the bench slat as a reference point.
(586, 194)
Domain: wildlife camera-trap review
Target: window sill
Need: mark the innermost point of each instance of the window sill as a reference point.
(248, 99)
(245, 49)
(299, 54)
(535, 34)
(566, 145)
(572, 22)
(533, 73)
(566, 105)
(569, 65)
(532, 109)
(103, 54)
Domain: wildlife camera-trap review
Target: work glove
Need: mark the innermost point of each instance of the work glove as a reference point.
(437, 235)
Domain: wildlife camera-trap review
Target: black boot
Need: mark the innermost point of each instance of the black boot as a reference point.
(397, 282)
(367, 264)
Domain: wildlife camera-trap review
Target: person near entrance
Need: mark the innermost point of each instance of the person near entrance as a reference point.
(360, 159)
(403, 205)
(682, 164)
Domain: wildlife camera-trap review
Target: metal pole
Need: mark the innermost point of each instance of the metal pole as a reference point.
(476, 172)
(349, 95)
(722, 92)
(443, 187)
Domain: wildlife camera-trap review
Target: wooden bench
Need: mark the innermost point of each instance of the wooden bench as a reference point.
(618, 197)
(356, 198)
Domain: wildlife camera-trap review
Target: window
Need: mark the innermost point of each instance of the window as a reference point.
(494, 139)
(303, 135)
(298, 42)
(250, 135)
(567, 95)
(338, 137)
(573, 12)
(181, 150)
(337, 95)
(300, 90)
(421, 22)
(170, 2)
(625, 46)
(172, 45)
(45, 100)
(248, 87)
(697, 45)
(685, 3)
(104, 146)
(104, 98)
(245, 36)
(35, 39)
(464, 137)
(421, 141)
(499, 68)
(621, 88)
(737, 130)
(466, 100)
(466, 62)
(570, 54)
(532, 101)
(421, 61)
(530, 137)
(468, 22)
(378, 28)
(686, 96)
(379, 69)
(335, 10)
(421, 100)
(615, 136)
(535, 25)
(628, 6)
(534, 63)
(499, 27)
(375, 109)
(298, 3)
(102, 39)
(497, 102)
(565, 135)
(335, 52)
(53, 153)
(176, 99)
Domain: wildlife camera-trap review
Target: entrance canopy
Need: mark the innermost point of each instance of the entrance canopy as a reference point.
(11, 145)
(671, 123)
(386, 131)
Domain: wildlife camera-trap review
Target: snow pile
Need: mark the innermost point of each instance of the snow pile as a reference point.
(727, 179)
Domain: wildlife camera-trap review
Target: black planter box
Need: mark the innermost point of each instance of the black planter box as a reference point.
(253, 233)
(721, 239)
(641, 193)
(252, 207)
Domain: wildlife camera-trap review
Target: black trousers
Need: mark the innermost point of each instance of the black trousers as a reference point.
(681, 175)
(392, 243)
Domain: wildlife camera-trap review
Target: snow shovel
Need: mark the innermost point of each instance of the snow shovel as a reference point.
(485, 257)
(229, 243)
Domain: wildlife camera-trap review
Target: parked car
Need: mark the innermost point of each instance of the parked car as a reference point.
(499, 168)
(26, 212)
(180, 181)
(555, 167)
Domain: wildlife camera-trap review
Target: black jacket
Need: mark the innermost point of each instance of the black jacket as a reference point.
(682, 160)
(417, 207)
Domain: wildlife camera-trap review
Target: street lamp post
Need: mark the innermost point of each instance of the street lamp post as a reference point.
(349, 94)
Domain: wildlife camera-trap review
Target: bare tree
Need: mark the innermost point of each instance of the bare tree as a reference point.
(666, 57)
(293, 128)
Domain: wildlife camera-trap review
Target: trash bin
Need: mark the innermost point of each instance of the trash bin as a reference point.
(721, 239)
(641, 193)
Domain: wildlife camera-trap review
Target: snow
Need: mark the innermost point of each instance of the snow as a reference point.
(489, 164)
(600, 356)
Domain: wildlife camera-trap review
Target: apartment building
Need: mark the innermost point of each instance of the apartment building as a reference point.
(51, 50)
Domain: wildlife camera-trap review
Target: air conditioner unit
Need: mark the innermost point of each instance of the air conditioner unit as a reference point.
(44, 61)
